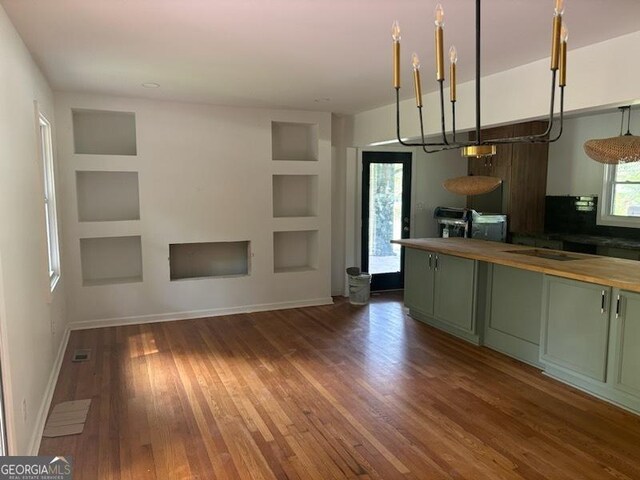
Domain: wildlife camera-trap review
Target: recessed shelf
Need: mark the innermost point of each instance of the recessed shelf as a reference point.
(101, 132)
(107, 196)
(294, 141)
(295, 251)
(111, 260)
(295, 195)
(208, 259)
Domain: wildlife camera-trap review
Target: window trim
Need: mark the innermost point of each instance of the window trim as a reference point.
(45, 142)
(606, 200)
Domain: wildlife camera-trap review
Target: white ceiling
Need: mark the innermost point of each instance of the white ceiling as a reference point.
(285, 53)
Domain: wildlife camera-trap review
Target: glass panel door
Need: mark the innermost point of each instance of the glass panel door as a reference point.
(386, 193)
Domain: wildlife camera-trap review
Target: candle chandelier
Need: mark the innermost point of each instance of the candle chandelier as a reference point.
(478, 147)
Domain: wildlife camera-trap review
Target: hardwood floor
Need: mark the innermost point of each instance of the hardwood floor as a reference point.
(328, 393)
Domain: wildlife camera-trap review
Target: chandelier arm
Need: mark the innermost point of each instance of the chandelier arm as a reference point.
(552, 106)
(406, 144)
(428, 144)
(443, 149)
(557, 137)
(399, 137)
(421, 126)
(442, 117)
(540, 137)
(453, 120)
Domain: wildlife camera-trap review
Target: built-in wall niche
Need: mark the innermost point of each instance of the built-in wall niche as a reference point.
(109, 260)
(294, 141)
(295, 195)
(295, 251)
(208, 259)
(107, 196)
(101, 132)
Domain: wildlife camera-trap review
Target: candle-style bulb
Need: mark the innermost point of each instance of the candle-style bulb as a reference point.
(395, 31)
(415, 61)
(559, 8)
(453, 55)
(564, 33)
(439, 15)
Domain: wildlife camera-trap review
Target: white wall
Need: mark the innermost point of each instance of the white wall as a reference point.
(571, 171)
(429, 171)
(27, 309)
(205, 175)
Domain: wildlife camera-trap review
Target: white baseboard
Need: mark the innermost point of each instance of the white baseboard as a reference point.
(34, 444)
(216, 312)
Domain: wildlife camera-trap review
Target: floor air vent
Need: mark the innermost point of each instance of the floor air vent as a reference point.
(81, 355)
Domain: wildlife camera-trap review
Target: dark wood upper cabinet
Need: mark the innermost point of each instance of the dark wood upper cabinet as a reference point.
(523, 170)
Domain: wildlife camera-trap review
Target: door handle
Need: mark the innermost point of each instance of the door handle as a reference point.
(430, 260)
(618, 302)
(437, 263)
(604, 293)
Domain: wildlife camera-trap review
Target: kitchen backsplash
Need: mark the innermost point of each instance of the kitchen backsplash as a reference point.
(564, 214)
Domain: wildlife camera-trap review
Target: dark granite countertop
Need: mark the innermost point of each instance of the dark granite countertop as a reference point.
(600, 240)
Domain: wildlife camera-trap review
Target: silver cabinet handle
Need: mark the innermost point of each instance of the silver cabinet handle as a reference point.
(618, 302)
(604, 293)
(430, 260)
(437, 258)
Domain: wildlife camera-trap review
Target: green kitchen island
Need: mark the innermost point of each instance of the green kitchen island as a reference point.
(576, 316)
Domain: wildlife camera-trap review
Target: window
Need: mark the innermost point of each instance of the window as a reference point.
(51, 220)
(621, 195)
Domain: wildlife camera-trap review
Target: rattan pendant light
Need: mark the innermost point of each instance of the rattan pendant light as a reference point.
(624, 148)
(472, 184)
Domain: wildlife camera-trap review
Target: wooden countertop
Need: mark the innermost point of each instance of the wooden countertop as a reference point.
(613, 272)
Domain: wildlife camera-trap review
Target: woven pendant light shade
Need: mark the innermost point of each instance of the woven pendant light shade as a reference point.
(472, 185)
(611, 151)
(614, 150)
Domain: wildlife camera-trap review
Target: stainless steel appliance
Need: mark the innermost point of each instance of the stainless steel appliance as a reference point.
(465, 222)
(488, 226)
(453, 222)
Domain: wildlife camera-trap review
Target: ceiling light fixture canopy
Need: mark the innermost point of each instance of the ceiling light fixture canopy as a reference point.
(624, 148)
(478, 147)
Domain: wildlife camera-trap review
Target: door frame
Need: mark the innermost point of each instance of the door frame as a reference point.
(385, 281)
(353, 200)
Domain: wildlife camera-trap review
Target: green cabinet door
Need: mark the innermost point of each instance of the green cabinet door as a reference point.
(418, 280)
(454, 293)
(575, 326)
(626, 342)
(512, 321)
